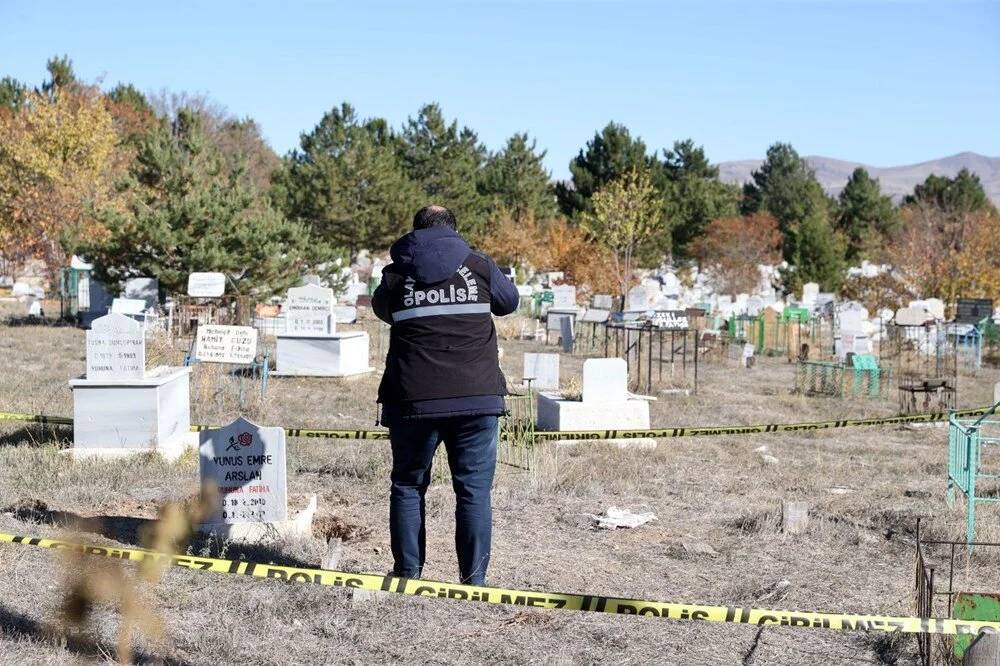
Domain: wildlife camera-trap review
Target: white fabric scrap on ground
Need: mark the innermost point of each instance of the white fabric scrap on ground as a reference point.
(615, 517)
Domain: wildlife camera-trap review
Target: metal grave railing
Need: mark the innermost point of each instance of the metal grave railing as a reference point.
(967, 441)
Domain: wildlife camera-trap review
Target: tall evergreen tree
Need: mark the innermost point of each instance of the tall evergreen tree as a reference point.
(185, 211)
(444, 161)
(695, 196)
(514, 179)
(962, 194)
(12, 93)
(787, 188)
(612, 153)
(865, 216)
(347, 184)
(61, 75)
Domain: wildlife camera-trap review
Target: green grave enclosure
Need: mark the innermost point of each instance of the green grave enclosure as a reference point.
(973, 606)
(862, 378)
(978, 480)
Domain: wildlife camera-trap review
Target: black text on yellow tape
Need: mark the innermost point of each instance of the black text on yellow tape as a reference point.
(656, 433)
(531, 598)
(36, 418)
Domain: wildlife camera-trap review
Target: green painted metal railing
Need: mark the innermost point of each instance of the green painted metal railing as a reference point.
(863, 379)
(966, 441)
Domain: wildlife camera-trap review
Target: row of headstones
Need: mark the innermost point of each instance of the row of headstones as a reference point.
(604, 379)
(116, 342)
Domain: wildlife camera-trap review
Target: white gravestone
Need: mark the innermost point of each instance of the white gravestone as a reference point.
(116, 348)
(810, 290)
(226, 344)
(564, 297)
(128, 306)
(553, 320)
(206, 285)
(246, 463)
(308, 311)
(118, 407)
(542, 369)
(605, 405)
(912, 317)
(146, 289)
(637, 299)
(595, 315)
(605, 380)
(603, 301)
(310, 345)
(345, 314)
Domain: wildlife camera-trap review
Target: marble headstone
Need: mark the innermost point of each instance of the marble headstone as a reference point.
(309, 311)
(128, 306)
(912, 316)
(595, 315)
(145, 289)
(226, 344)
(543, 369)
(603, 301)
(637, 299)
(246, 463)
(605, 380)
(206, 285)
(346, 314)
(564, 296)
(116, 348)
(810, 290)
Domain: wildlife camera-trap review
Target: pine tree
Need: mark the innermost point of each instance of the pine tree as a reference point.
(865, 216)
(346, 183)
(612, 153)
(515, 180)
(184, 211)
(695, 196)
(787, 188)
(444, 162)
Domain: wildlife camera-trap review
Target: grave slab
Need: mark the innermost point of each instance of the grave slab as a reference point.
(605, 405)
(343, 354)
(115, 417)
(543, 369)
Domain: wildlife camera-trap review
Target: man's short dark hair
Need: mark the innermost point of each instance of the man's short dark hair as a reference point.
(434, 216)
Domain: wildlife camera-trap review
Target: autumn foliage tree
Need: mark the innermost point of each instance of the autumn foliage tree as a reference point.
(625, 215)
(943, 249)
(552, 244)
(732, 248)
(58, 160)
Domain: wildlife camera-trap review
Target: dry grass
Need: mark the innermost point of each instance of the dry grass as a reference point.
(857, 555)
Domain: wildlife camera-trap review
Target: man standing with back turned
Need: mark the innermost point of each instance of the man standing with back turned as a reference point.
(442, 382)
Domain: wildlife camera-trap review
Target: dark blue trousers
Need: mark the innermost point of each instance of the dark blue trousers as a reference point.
(471, 443)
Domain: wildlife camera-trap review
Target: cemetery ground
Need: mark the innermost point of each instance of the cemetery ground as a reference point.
(717, 538)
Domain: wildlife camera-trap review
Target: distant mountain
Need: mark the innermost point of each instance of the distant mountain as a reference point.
(896, 181)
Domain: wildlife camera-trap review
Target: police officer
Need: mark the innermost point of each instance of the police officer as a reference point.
(442, 382)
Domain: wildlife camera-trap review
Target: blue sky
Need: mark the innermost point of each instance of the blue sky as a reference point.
(883, 82)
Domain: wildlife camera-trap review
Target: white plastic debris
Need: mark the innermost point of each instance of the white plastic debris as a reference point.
(615, 517)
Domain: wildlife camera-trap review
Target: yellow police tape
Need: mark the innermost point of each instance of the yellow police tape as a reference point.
(659, 433)
(511, 597)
